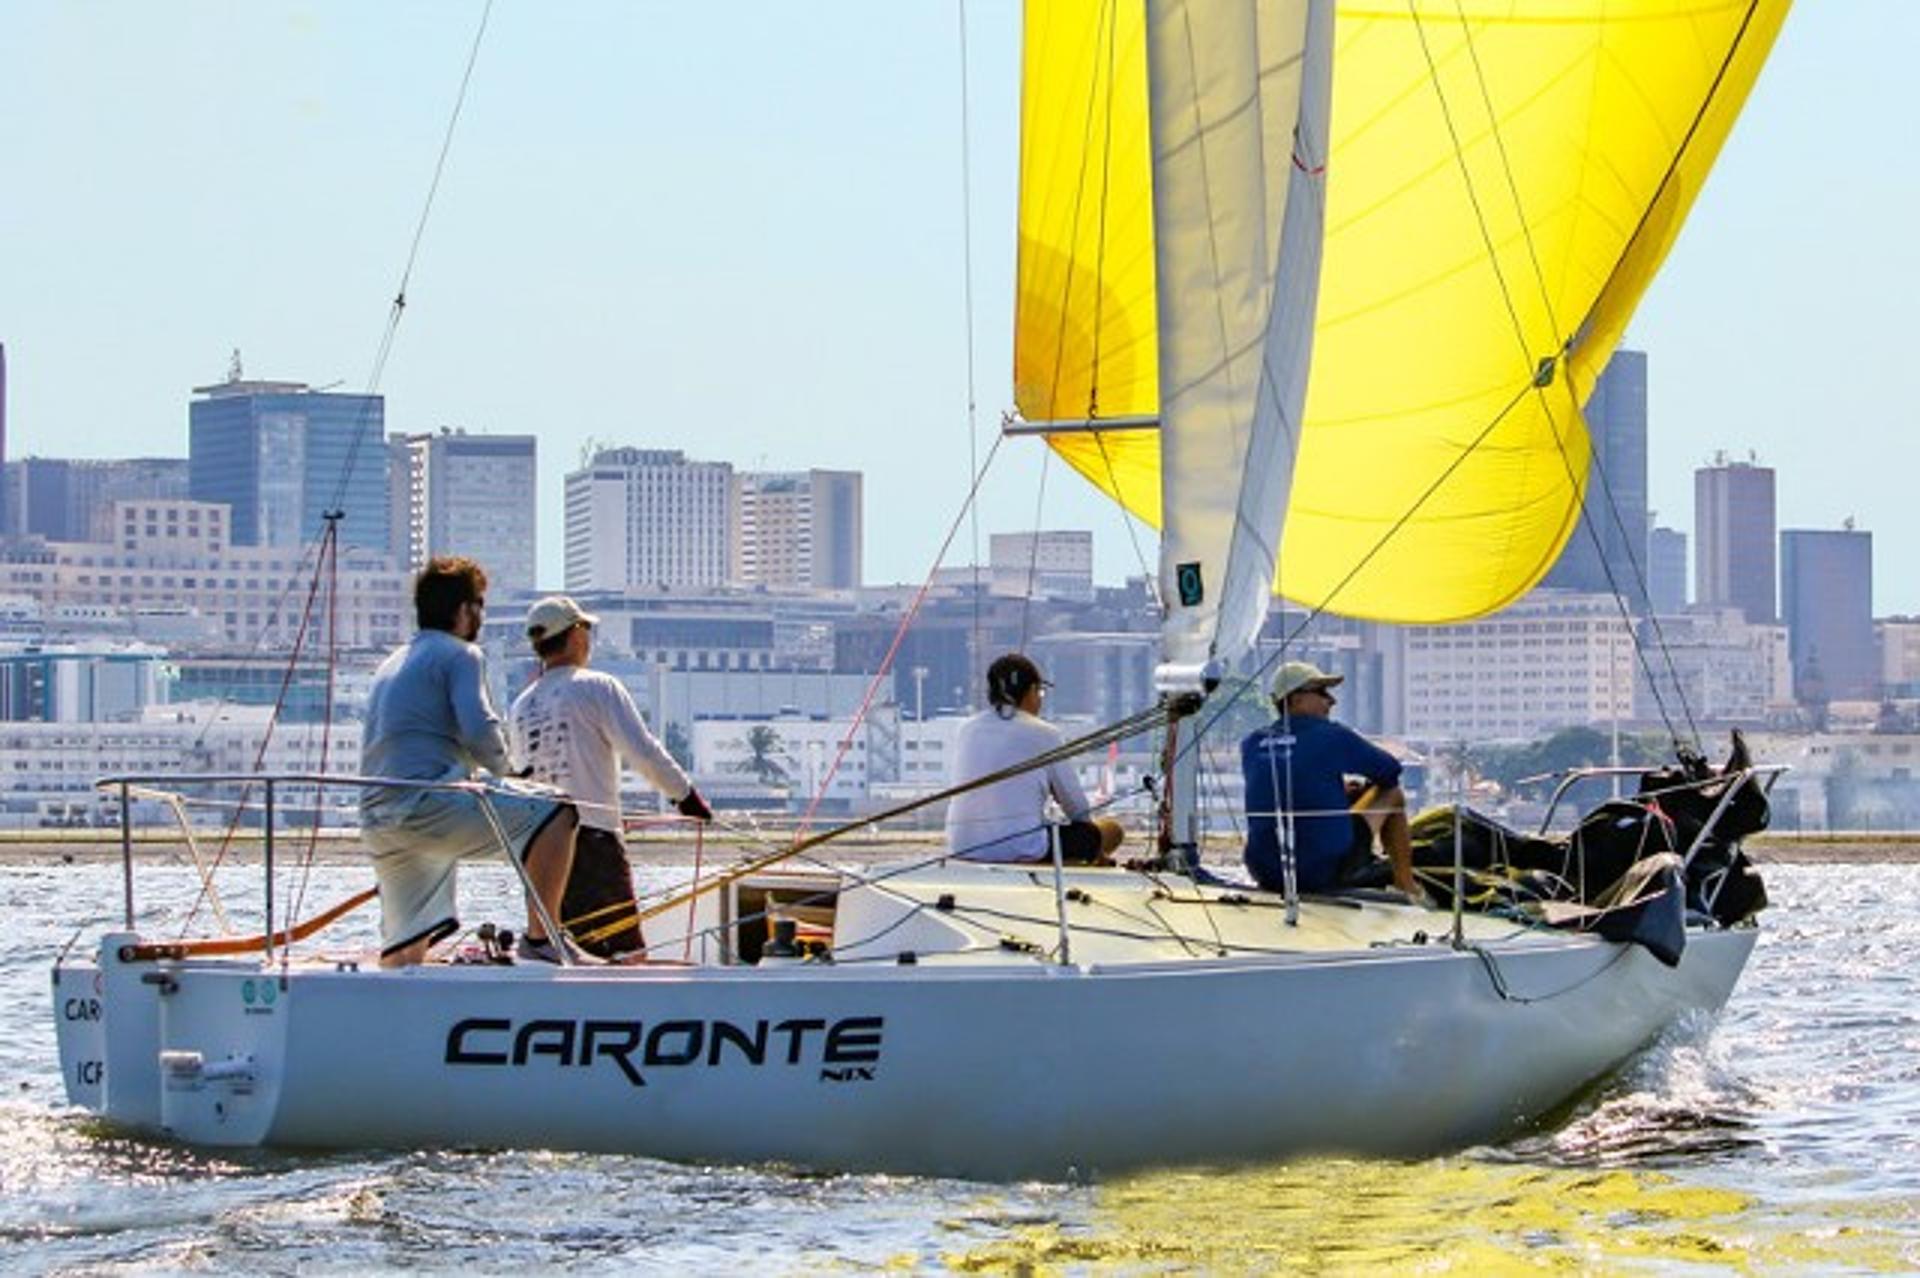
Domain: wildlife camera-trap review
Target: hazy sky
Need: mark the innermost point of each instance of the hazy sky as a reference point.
(736, 229)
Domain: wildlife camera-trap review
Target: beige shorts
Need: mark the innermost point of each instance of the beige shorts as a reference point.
(418, 847)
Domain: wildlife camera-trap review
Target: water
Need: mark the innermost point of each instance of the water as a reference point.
(1787, 1141)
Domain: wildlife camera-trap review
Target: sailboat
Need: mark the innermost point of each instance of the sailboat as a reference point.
(1239, 340)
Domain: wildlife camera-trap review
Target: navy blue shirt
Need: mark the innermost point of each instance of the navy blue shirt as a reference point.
(1322, 754)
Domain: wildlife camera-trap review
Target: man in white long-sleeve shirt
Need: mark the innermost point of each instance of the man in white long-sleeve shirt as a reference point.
(1006, 821)
(572, 728)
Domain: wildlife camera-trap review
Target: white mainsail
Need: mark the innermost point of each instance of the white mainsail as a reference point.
(1239, 94)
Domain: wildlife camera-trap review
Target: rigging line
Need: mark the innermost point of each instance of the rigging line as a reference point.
(1033, 549)
(1099, 316)
(1598, 463)
(1107, 19)
(266, 738)
(893, 649)
(326, 722)
(399, 305)
(966, 254)
(1613, 585)
(1506, 166)
(1473, 191)
(1139, 722)
(1360, 564)
(270, 626)
(1513, 315)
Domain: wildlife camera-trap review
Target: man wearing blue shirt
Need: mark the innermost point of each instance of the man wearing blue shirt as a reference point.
(1297, 771)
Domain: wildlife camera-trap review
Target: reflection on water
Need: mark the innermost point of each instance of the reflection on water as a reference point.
(1787, 1140)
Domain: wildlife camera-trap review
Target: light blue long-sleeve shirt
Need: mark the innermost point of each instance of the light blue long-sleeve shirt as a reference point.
(429, 717)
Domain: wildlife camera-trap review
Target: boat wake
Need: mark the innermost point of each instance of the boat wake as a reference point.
(1681, 1101)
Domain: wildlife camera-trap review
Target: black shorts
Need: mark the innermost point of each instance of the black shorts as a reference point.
(1360, 865)
(599, 909)
(1079, 842)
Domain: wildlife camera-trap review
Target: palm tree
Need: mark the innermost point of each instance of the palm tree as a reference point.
(763, 744)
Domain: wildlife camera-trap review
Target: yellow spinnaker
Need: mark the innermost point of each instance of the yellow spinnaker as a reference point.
(1505, 181)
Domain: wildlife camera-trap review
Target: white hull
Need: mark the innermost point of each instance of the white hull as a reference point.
(984, 1068)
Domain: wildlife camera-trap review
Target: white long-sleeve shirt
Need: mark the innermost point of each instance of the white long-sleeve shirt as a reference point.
(1003, 821)
(574, 727)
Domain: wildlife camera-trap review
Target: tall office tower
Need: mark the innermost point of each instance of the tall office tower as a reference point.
(1667, 571)
(71, 499)
(645, 517)
(282, 455)
(453, 493)
(1733, 532)
(407, 500)
(1826, 586)
(1617, 423)
(798, 529)
(1048, 565)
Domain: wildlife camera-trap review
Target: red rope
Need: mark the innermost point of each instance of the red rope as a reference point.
(699, 847)
(893, 649)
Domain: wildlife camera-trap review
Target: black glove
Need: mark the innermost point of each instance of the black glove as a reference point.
(694, 806)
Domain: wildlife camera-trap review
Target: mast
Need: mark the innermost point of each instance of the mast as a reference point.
(1238, 216)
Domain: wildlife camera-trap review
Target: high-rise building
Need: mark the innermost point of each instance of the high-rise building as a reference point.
(454, 493)
(648, 517)
(1667, 570)
(282, 455)
(1607, 553)
(71, 499)
(1733, 531)
(1826, 585)
(798, 529)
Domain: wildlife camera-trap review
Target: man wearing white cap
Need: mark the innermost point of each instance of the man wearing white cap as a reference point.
(572, 728)
(1296, 771)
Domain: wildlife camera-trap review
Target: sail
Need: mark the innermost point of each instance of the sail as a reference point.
(1501, 188)
(1238, 97)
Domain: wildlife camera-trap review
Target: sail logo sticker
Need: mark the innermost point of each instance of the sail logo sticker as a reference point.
(1186, 578)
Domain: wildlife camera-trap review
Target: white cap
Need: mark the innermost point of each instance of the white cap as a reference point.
(555, 614)
(1298, 675)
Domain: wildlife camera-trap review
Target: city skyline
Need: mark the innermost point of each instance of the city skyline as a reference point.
(581, 248)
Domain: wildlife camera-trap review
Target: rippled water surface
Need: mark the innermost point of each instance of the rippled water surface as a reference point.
(1787, 1140)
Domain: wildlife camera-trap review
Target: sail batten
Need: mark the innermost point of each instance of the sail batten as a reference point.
(1583, 136)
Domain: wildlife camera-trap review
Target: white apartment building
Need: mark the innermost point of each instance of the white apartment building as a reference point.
(1554, 660)
(1045, 565)
(1899, 639)
(1728, 670)
(646, 517)
(52, 767)
(169, 556)
(799, 753)
(798, 530)
(455, 493)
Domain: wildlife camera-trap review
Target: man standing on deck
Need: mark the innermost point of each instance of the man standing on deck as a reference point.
(429, 718)
(1297, 767)
(572, 728)
(1007, 821)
